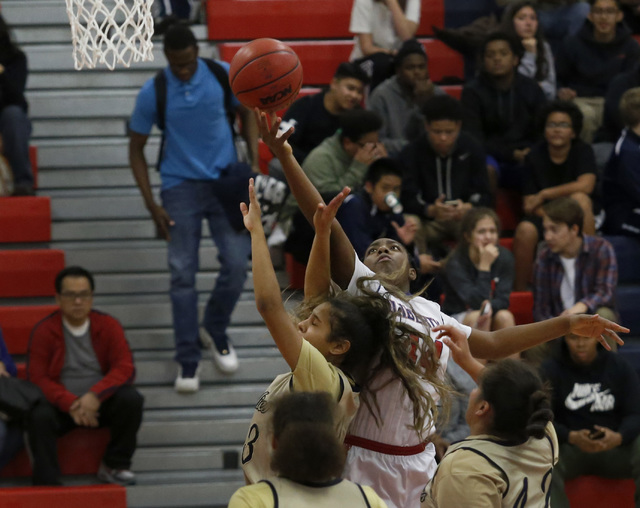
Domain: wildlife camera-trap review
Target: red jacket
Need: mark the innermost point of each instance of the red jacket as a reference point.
(47, 351)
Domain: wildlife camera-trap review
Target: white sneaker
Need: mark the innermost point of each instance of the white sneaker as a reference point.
(226, 360)
(187, 384)
(116, 476)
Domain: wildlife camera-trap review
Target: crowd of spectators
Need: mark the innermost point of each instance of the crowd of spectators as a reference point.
(555, 119)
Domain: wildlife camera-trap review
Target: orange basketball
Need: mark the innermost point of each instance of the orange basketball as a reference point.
(265, 74)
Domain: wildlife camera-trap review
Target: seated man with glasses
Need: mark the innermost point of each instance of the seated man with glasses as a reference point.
(590, 59)
(81, 360)
(560, 165)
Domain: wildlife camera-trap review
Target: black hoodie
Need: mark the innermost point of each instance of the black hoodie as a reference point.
(588, 66)
(503, 120)
(605, 393)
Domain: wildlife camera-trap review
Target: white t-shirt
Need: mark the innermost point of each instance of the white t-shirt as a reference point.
(568, 284)
(370, 17)
(395, 406)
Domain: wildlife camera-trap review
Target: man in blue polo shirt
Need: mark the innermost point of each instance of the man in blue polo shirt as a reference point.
(198, 149)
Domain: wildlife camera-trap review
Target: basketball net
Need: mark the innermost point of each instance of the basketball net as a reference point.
(110, 32)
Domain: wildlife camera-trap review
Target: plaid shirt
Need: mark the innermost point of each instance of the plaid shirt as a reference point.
(596, 278)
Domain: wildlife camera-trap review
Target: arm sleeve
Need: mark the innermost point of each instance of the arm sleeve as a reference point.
(378, 105)
(361, 17)
(297, 116)
(628, 174)
(586, 160)
(606, 279)
(14, 79)
(412, 12)
(121, 370)
(504, 282)
(144, 113)
(549, 371)
(472, 291)
(549, 84)
(39, 360)
(630, 425)
(472, 113)
(480, 180)
(542, 291)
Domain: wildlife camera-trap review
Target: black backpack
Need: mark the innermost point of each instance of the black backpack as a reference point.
(160, 85)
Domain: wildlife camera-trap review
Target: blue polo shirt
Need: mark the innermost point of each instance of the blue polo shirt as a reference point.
(198, 138)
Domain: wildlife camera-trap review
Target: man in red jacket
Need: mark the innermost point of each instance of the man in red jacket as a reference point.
(81, 360)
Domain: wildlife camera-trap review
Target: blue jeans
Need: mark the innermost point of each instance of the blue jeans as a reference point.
(15, 129)
(188, 204)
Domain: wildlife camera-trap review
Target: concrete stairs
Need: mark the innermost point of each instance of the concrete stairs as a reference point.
(188, 444)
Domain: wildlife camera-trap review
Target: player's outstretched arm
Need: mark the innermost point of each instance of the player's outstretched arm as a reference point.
(317, 279)
(508, 341)
(457, 342)
(307, 196)
(266, 287)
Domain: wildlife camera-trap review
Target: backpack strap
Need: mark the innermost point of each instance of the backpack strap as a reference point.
(160, 85)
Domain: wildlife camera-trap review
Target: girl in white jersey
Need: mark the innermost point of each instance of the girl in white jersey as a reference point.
(399, 464)
(341, 335)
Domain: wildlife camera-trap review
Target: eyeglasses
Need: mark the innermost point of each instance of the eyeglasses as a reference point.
(71, 296)
(604, 12)
(558, 125)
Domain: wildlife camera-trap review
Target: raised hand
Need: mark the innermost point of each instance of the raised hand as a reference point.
(596, 326)
(268, 127)
(323, 218)
(407, 232)
(251, 214)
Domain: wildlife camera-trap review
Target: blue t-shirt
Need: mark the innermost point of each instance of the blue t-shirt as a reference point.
(198, 138)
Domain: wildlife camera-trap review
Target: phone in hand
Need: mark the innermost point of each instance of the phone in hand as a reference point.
(451, 202)
(485, 309)
(596, 434)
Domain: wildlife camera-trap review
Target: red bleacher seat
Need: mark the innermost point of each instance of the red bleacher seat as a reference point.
(521, 306)
(17, 323)
(320, 58)
(95, 496)
(295, 271)
(596, 492)
(79, 452)
(33, 158)
(26, 273)
(25, 219)
(454, 91)
(507, 243)
(509, 208)
(230, 20)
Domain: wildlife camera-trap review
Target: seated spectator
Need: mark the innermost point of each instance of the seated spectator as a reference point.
(340, 160)
(508, 458)
(11, 440)
(501, 107)
(81, 360)
(574, 273)
(479, 274)
(621, 185)
(558, 18)
(366, 215)
(587, 61)
(521, 20)
(596, 408)
(445, 176)
(380, 27)
(560, 165)
(308, 459)
(399, 99)
(316, 117)
(15, 126)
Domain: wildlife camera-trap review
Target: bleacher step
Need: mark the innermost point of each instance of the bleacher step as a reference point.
(84, 178)
(162, 338)
(181, 458)
(240, 394)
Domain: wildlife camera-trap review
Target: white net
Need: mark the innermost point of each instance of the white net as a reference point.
(110, 32)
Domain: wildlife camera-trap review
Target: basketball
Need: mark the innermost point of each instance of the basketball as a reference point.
(265, 74)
